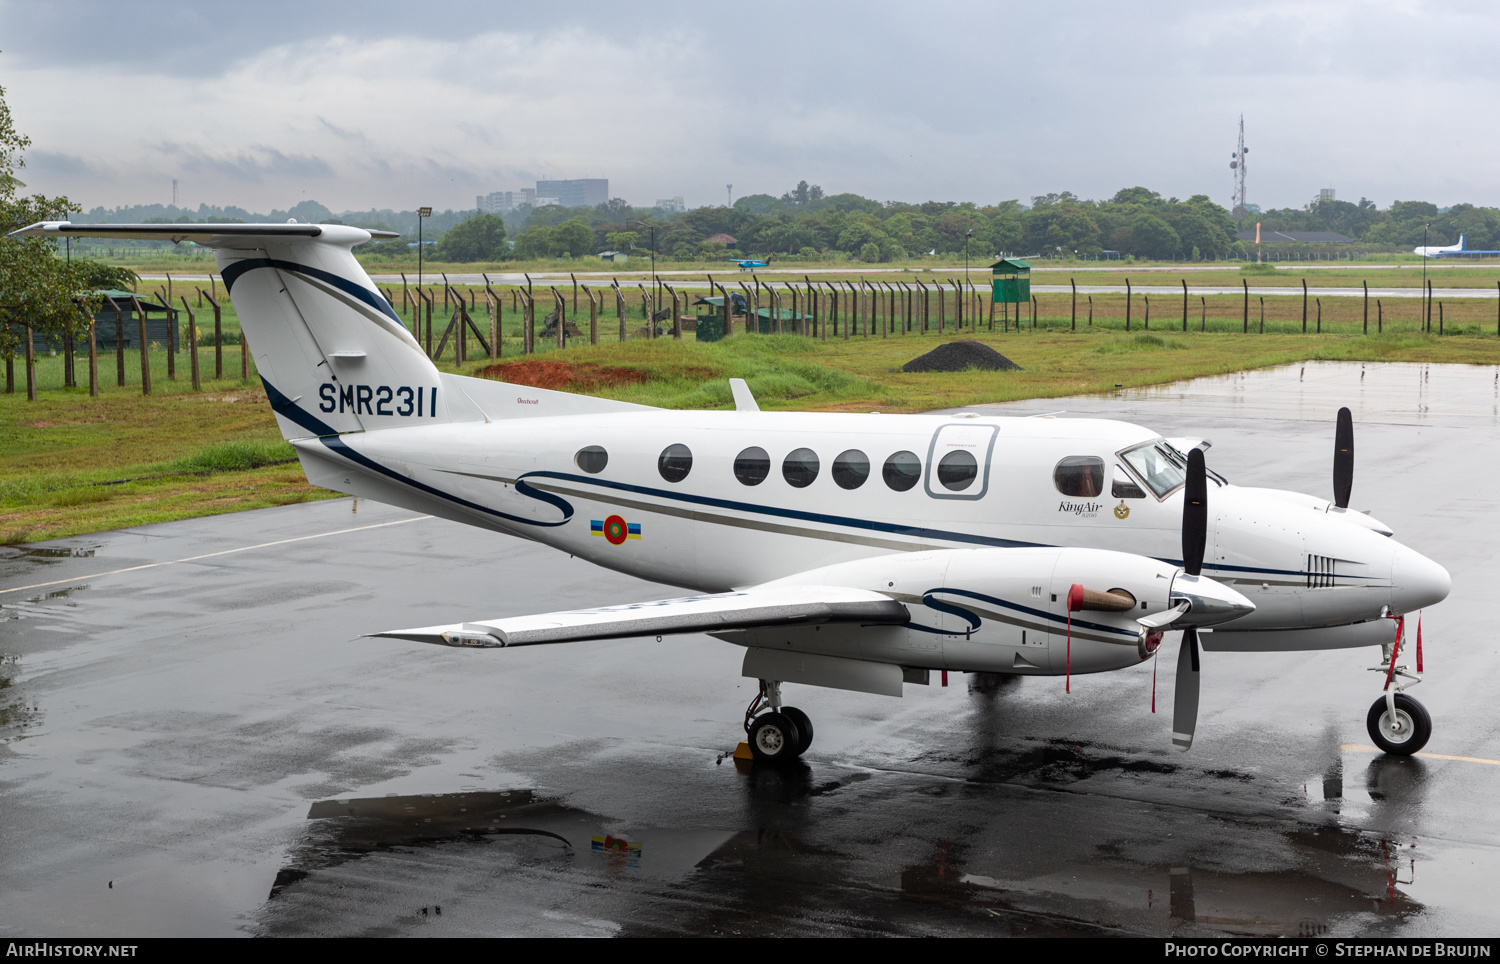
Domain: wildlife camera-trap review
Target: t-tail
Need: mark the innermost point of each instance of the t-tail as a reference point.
(333, 354)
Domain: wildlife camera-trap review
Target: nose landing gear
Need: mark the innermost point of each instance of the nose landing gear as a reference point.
(784, 733)
(1397, 723)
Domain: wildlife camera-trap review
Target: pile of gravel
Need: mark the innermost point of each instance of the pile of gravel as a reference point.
(958, 356)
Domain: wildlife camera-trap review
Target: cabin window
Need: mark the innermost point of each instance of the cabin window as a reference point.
(592, 459)
(675, 463)
(902, 471)
(752, 465)
(1123, 488)
(851, 469)
(1081, 476)
(800, 468)
(957, 470)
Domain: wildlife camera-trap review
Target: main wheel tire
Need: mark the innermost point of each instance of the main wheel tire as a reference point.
(774, 738)
(803, 724)
(1404, 735)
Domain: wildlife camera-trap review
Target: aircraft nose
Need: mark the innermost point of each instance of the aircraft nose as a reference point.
(1417, 581)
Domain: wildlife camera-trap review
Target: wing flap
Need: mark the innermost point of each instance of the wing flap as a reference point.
(770, 606)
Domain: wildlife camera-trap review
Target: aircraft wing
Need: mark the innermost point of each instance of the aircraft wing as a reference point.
(762, 606)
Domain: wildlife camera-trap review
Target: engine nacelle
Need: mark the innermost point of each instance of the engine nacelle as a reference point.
(999, 610)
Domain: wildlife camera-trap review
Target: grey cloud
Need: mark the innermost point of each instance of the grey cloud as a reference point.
(255, 165)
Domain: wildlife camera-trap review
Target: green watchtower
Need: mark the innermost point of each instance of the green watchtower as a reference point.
(1012, 282)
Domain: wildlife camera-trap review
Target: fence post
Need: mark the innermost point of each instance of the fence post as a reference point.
(1184, 304)
(70, 377)
(119, 343)
(427, 317)
(1304, 306)
(192, 345)
(620, 307)
(1429, 307)
(1203, 319)
(1127, 304)
(1091, 311)
(575, 293)
(942, 306)
(218, 335)
(446, 288)
(30, 366)
(1147, 325)
(1246, 283)
(1366, 283)
(171, 337)
(1074, 316)
(140, 314)
(1320, 315)
(593, 316)
(1440, 318)
(10, 368)
(562, 321)
(1033, 312)
(1379, 317)
(93, 361)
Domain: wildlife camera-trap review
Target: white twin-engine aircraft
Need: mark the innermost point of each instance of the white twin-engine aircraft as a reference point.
(856, 551)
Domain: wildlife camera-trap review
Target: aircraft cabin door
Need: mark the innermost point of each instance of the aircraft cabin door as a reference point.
(958, 460)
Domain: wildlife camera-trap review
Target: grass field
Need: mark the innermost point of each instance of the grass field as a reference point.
(75, 464)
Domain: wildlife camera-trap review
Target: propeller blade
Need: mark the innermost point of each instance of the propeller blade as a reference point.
(1185, 699)
(1194, 514)
(1343, 459)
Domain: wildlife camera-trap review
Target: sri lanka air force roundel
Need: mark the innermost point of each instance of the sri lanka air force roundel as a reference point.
(615, 529)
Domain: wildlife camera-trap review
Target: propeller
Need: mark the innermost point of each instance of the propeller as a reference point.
(1194, 538)
(1343, 459)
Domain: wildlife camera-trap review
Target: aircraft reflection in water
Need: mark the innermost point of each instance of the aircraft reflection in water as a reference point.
(488, 861)
(858, 551)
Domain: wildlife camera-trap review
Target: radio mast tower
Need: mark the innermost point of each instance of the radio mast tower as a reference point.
(1237, 165)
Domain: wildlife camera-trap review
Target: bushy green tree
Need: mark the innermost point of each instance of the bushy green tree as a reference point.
(38, 289)
(480, 238)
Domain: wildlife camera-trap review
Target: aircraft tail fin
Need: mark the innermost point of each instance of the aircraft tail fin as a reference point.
(333, 354)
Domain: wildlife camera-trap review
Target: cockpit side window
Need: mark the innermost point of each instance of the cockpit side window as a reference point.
(1080, 476)
(1155, 463)
(1122, 487)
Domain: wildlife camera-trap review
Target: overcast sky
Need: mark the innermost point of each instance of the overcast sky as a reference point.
(361, 105)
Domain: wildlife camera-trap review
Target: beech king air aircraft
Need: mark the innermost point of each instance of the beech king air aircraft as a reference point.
(857, 551)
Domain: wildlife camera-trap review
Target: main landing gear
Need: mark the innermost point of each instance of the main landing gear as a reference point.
(1397, 723)
(782, 732)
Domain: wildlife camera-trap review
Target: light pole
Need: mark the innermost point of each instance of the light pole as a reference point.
(1426, 307)
(655, 294)
(422, 213)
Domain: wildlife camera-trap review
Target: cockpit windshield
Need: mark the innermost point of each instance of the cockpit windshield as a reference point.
(1158, 465)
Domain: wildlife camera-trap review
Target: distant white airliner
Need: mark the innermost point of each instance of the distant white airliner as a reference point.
(1432, 251)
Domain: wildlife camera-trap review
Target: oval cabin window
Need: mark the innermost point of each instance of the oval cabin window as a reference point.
(800, 468)
(902, 471)
(592, 459)
(957, 470)
(752, 465)
(675, 463)
(851, 469)
(1080, 476)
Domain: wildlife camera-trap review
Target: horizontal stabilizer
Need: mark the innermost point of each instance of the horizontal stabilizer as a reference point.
(750, 608)
(208, 235)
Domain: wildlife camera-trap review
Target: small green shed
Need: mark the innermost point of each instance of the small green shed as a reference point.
(1012, 281)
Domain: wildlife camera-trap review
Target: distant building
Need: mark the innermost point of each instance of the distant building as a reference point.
(671, 204)
(724, 239)
(499, 202)
(1326, 194)
(583, 192)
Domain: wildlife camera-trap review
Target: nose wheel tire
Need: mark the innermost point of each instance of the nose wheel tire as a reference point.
(1406, 732)
(804, 727)
(774, 738)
